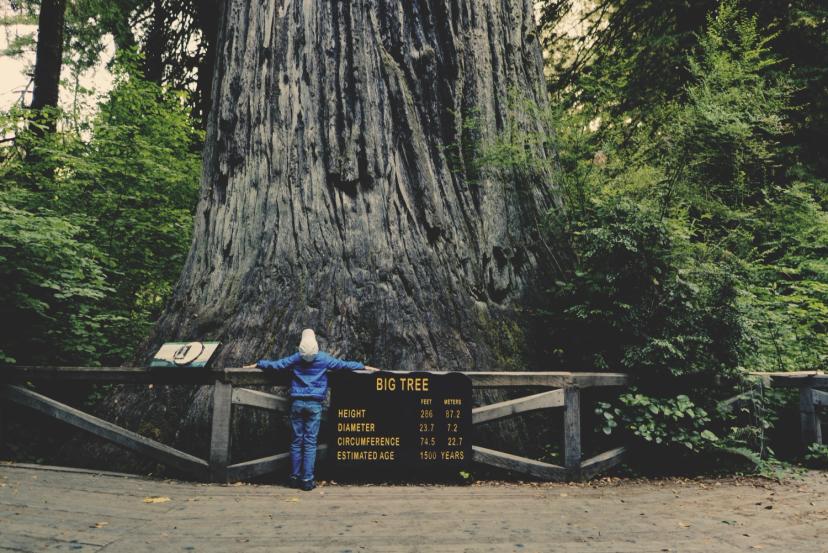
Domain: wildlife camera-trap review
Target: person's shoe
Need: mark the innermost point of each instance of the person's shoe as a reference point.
(294, 482)
(308, 485)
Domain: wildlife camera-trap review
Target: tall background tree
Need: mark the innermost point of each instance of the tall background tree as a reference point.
(49, 61)
(176, 40)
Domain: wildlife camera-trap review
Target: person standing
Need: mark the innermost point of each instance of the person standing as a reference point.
(308, 388)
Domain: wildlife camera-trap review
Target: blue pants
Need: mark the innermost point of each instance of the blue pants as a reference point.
(305, 416)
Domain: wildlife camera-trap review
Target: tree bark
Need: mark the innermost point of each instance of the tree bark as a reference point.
(332, 197)
(48, 61)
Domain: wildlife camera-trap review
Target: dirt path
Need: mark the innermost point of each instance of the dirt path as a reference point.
(51, 510)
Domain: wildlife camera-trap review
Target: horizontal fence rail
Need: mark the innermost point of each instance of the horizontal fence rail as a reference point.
(795, 379)
(257, 377)
(228, 391)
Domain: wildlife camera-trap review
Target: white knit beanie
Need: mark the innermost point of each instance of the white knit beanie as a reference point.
(308, 348)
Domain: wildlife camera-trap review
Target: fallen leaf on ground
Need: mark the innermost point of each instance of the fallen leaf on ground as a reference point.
(684, 525)
(99, 525)
(156, 499)
(292, 499)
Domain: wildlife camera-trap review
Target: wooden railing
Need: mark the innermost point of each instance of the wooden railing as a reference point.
(810, 397)
(562, 389)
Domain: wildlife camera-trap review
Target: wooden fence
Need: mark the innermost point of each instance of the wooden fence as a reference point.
(810, 398)
(560, 389)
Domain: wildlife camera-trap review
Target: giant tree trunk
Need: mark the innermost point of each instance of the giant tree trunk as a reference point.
(338, 191)
(332, 196)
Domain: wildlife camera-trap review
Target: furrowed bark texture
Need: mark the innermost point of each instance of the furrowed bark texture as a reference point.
(339, 194)
(332, 194)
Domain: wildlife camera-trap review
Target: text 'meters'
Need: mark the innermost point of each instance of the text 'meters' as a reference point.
(413, 421)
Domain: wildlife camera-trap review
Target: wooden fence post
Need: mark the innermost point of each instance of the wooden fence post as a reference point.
(808, 418)
(572, 430)
(220, 437)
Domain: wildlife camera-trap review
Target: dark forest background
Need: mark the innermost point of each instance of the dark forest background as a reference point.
(691, 141)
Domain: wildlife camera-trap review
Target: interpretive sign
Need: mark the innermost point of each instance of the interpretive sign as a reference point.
(184, 354)
(408, 421)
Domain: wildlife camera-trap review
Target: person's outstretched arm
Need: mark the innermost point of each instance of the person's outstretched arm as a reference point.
(336, 364)
(279, 364)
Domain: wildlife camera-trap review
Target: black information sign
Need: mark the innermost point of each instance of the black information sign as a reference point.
(408, 421)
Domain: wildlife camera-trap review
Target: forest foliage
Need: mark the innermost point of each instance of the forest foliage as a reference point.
(690, 153)
(691, 159)
(96, 221)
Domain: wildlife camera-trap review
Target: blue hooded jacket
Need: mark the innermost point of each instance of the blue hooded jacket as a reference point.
(310, 379)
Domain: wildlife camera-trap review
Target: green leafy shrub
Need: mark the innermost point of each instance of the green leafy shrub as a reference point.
(51, 283)
(817, 456)
(136, 183)
(640, 300)
(117, 192)
(675, 421)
